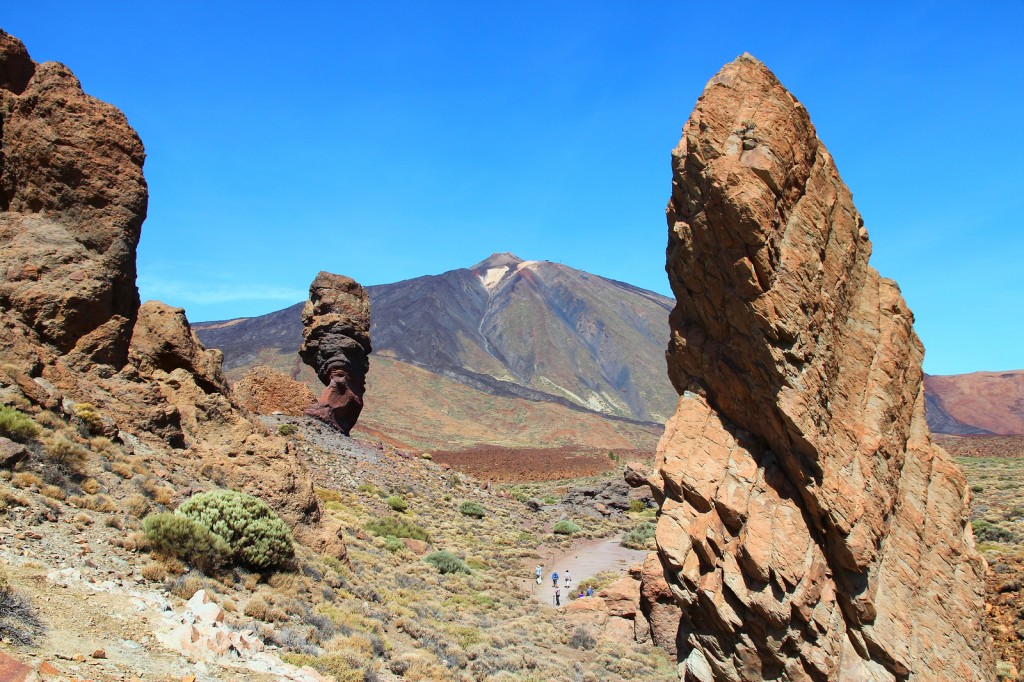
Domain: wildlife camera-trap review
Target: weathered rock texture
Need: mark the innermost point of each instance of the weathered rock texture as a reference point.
(809, 528)
(336, 344)
(72, 202)
(265, 390)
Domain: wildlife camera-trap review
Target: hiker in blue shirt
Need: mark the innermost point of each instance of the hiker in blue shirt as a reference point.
(554, 579)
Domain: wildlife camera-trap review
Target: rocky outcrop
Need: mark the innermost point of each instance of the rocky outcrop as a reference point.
(809, 528)
(265, 390)
(336, 344)
(72, 202)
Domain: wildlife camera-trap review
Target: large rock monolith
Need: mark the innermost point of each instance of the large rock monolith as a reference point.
(809, 528)
(336, 344)
(72, 202)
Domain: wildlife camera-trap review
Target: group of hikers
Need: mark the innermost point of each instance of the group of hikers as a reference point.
(557, 597)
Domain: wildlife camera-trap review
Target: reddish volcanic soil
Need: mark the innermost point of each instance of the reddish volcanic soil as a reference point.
(981, 446)
(517, 465)
(991, 400)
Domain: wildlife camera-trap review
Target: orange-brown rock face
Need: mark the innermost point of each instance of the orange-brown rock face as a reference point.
(265, 390)
(336, 343)
(809, 529)
(72, 202)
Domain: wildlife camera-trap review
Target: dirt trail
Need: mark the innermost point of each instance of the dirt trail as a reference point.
(583, 560)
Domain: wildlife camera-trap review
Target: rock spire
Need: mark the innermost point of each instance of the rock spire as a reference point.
(809, 529)
(336, 344)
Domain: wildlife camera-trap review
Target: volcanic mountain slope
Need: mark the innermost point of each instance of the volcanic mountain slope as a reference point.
(585, 352)
(976, 403)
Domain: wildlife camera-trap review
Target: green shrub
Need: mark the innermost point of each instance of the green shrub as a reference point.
(566, 527)
(446, 562)
(395, 527)
(257, 536)
(178, 536)
(637, 506)
(393, 544)
(638, 537)
(977, 488)
(397, 503)
(472, 509)
(287, 430)
(17, 425)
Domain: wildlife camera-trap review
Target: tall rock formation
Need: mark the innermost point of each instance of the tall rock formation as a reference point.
(336, 344)
(809, 528)
(72, 202)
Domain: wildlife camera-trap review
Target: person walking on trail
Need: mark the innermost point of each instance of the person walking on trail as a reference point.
(537, 573)
(558, 597)
(568, 580)
(554, 579)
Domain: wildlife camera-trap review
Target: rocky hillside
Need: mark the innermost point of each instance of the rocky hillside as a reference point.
(977, 403)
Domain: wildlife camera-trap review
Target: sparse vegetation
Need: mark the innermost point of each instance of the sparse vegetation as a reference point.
(65, 450)
(582, 639)
(639, 537)
(566, 527)
(397, 503)
(17, 425)
(446, 562)
(474, 509)
(397, 528)
(90, 417)
(287, 430)
(19, 620)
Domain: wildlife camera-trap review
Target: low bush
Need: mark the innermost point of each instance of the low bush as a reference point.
(397, 503)
(19, 620)
(179, 536)
(472, 509)
(582, 639)
(637, 506)
(446, 562)
(256, 535)
(396, 527)
(639, 537)
(566, 527)
(90, 417)
(287, 430)
(65, 450)
(17, 425)
(393, 544)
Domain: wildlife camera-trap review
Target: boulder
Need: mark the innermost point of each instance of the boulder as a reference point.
(336, 344)
(808, 524)
(11, 454)
(265, 390)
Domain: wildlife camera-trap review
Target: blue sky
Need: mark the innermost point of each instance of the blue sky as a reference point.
(388, 140)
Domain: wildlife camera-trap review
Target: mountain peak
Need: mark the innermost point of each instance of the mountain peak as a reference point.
(498, 260)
